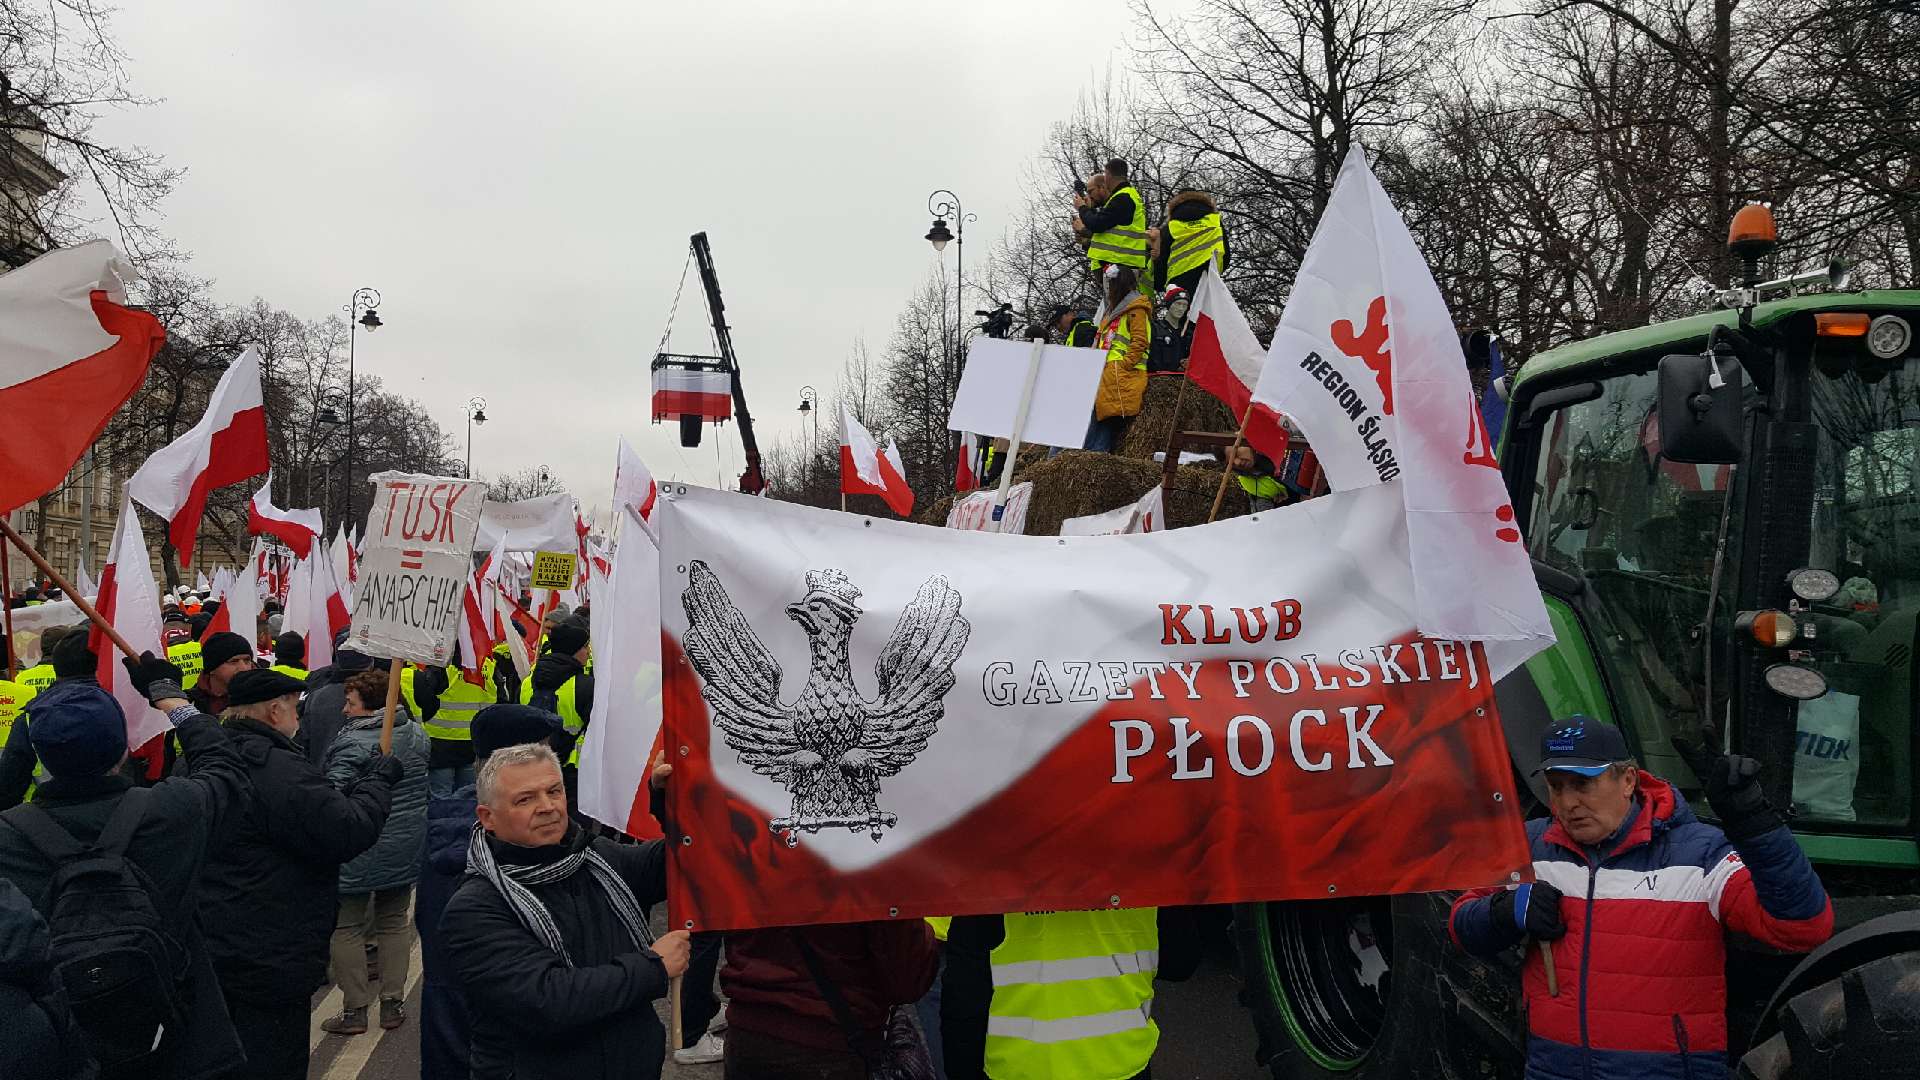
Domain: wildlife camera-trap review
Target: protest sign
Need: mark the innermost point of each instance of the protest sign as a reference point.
(988, 400)
(872, 720)
(544, 523)
(415, 563)
(554, 569)
(974, 511)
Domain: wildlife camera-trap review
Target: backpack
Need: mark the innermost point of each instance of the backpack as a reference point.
(122, 963)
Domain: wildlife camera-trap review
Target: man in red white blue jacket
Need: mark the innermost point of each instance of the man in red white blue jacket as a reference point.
(1636, 893)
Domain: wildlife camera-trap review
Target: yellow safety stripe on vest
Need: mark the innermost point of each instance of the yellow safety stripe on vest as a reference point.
(567, 706)
(1116, 338)
(1073, 995)
(453, 721)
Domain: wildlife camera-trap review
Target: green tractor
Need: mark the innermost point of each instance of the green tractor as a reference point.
(1724, 517)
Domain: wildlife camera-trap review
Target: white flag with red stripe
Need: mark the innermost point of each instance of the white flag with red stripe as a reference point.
(130, 602)
(228, 445)
(239, 601)
(633, 484)
(71, 354)
(1226, 361)
(866, 470)
(297, 529)
(965, 478)
(624, 730)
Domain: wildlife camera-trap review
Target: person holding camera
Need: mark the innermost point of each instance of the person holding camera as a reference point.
(1113, 218)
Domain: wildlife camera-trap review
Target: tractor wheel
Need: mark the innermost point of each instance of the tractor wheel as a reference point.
(1850, 1010)
(1343, 988)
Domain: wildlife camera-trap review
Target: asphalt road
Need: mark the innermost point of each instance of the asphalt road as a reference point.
(1204, 1035)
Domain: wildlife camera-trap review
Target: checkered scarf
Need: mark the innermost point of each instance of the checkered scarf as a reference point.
(514, 883)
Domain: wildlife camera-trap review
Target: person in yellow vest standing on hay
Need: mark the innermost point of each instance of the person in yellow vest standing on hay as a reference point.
(1042, 994)
(1113, 218)
(446, 702)
(561, 684)
(1126, 335)
(1192, 237)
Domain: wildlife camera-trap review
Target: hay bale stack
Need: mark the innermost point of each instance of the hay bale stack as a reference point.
(1078, 483)
(1147, 435)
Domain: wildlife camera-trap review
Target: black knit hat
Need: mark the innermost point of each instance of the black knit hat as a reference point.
(222, 647)
(567, 638)
(499, 726)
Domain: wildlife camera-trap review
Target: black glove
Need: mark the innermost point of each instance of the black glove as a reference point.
(386, 767)
(1533, 909)
(156, 679)
(1733, 790)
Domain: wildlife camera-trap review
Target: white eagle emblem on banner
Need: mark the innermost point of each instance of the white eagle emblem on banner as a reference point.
(830, 747)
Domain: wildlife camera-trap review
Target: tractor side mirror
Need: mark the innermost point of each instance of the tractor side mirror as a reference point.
(1699, 410)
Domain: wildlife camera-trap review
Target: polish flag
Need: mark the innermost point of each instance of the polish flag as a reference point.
(295, 528)
(70, 355)
(624, 732)
(1226, 360)
(239, 604)
(130, 602)
(964, 476)
(315, 608)
(228, 445)
(342, 556)
(865, 470)
(691, 392)
(633, 484)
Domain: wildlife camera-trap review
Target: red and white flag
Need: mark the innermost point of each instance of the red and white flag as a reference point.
(633, 484)
(867, 470)
(341, 552)
(239, 602)
(1226, 361)
(297, 529)
(130, 602)
(684, 392)
(228, 445)
(71, 354)
(965, 478)
(1367, 362)
(316, 608)
(624, 730)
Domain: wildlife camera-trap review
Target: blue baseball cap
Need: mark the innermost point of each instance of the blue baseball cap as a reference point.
(1582, 745)
(77, 729)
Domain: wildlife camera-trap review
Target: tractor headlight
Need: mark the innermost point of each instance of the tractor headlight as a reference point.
(1889, 336)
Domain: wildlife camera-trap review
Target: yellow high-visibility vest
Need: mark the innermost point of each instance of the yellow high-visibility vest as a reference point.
(1259, 487)
(13, 699)
(942, 925)
(290, 671)
(567, 705)
(1192, 243)
(38, 677)
(186, 656)
(1073, 995)
(1115, 338)
(1127, 244)
(459, 702)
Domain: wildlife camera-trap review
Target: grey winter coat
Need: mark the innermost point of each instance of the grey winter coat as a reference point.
(394, 859)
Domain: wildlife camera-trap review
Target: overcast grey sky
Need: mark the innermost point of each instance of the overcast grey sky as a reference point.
(519, 180)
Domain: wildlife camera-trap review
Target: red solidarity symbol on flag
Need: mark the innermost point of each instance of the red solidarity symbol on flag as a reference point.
(1370, 348)
(1480, 452)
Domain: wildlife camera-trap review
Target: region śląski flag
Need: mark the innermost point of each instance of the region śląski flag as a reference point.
(866, 470)
(1226, 360)
(228, 445)
(129, 601)
(295, 528)
(70, 355)
(1366, 360)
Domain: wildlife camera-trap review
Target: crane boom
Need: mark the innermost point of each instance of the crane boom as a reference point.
(751, 480)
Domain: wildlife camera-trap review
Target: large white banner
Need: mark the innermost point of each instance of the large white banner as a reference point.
(873, 719)
(415, 563)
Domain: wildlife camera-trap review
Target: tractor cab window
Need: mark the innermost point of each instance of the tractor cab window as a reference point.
(1609, 508)
(1854, 747)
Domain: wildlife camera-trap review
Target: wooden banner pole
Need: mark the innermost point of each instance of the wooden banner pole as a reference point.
(393, 700)
(1553, 980)
(73, 594)
(6, 598)
(675, 1017)
(1228, 474)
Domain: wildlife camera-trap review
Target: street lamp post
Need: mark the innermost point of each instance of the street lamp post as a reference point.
(809, 410)
(943, 204)
(476, 414)
(363, 310)
(324, 416)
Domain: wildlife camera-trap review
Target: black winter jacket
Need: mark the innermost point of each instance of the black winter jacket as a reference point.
(552, 671)
(535, 1018)
(445, 1033)
(185, 818)
(269, 904)
(38, 1037)
(323, 712)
